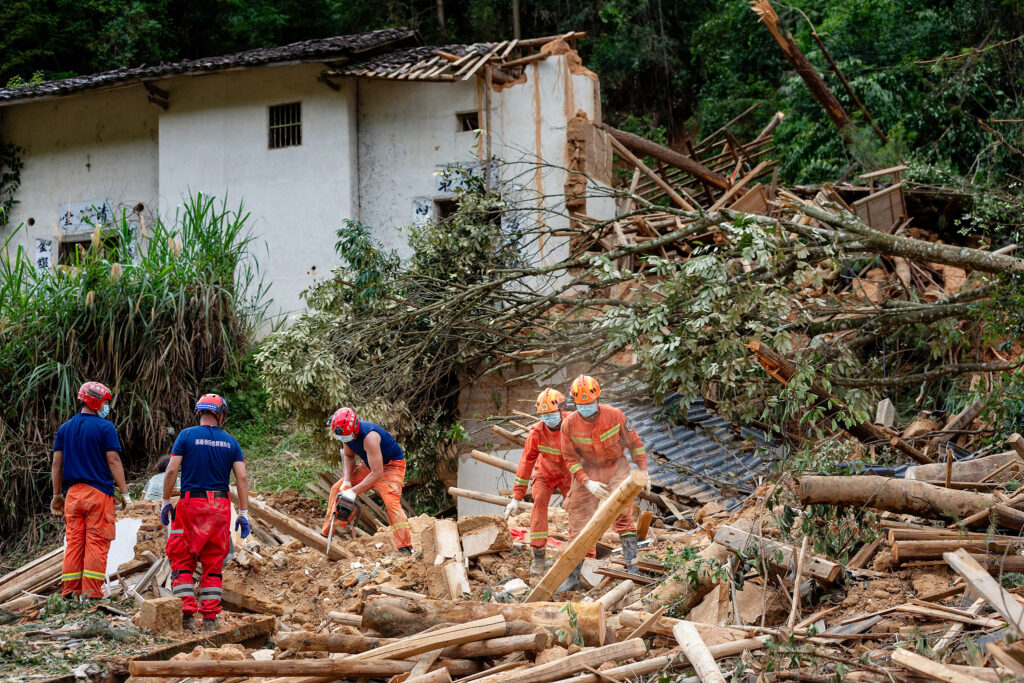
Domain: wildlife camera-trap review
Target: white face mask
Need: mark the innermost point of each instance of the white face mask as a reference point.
(104, 411)
(587, 409)
(344, 438)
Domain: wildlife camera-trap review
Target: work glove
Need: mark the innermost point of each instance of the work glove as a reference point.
(242, 522)
(57, 505)
(166, 512)
(598, 489)
(126, 502)
(348, 494)
(647, 486)
(512, 508)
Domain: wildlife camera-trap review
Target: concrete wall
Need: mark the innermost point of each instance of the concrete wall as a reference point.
(213, 139)
(81, 151)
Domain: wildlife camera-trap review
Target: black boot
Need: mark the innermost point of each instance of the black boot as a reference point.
(188, 622)
(629, 551)
(572, 582)
(539, 557)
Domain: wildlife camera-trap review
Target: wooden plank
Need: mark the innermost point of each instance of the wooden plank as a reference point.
(329, 669)
(622, 575)
(566, 666)
(450, 557)
(648, 623)
(251, 627)
(262, 512)
(982, 583)
(471, 631)
(697, 653)
(930, 668)
(882, 172)
(740, 184)
(738, 540)
(20, 571)
(573, 553)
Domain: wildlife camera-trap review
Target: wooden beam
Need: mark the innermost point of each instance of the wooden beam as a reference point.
(982, 583)
(681, 161)
(573, 553)
(639, 165)
(501, 501)
(700, 658)
(328, 668)
(481, 629)
(262, 512)
(566, 666)
(738, 540)
(493, 461)
(929, 667)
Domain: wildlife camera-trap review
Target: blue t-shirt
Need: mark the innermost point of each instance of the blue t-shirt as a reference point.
(389, 448)
(207, 456)
(84, 441)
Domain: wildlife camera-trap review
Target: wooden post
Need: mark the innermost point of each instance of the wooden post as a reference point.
(612, 598)
(702, 661)
(1016, 442)
(639, 165)
(681, 161)
(262, 512)
(575, 551)
(450, 557)
(501, 501)
(493, 460)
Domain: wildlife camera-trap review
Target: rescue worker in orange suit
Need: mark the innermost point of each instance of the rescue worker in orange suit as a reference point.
(200, 524)
(543, 448)
(594, 441)
(86, 465)
(382, 468)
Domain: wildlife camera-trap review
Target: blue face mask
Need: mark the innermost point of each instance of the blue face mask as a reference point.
(552, 420)
(104, 411)
(344, 438)
(587, 409)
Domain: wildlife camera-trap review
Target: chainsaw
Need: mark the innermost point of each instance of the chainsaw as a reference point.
(348, 511)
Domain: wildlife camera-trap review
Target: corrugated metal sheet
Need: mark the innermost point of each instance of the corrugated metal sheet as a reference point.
(708, 458)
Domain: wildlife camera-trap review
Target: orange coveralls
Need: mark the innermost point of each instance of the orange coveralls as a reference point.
(389, 486)
(596, 450)
(543, 448)
(90, 527)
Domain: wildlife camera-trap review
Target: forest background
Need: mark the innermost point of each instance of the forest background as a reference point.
(943, 79)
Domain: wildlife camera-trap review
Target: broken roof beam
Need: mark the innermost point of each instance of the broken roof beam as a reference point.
(669, 156)
(639, 165)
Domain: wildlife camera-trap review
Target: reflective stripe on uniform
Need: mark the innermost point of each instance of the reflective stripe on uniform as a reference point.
(549, 450)
(573, 469)
(582, 439)
(610, 433)
(86, 574)
(400, 525)
(71, 577)
(627, 533)
(639, 451)
(176, 531)
(523, 482)
(211, 592)
(538, 534)
(183, 589)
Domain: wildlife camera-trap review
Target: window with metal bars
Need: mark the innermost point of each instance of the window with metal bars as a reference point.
(285, 125)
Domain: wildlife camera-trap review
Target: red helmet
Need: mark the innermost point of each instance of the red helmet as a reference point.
(344, 422)
(214, 404)
(93, 394)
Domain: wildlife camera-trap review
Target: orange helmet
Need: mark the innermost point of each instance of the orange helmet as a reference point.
(550, 400)
(585, 389)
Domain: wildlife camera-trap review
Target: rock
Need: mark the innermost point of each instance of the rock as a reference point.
(515, 587)
(294, 545)
(263, 655)
(279, 559)
(382, 578)
(349, 581)
(160, 615)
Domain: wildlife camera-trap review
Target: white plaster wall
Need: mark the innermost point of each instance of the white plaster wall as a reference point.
(82, 148)
(214, 139)
(406, 132)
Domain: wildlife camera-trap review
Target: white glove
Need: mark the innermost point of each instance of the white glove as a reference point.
(348, 494)
(512, 508)
(598, 489)
(126, 502)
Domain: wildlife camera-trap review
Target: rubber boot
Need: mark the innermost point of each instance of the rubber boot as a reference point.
(572, 582)
(210, 624)
(539, 557)
(629, 551)
(188, 622)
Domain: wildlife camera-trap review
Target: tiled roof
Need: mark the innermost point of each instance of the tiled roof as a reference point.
(708, 458)
(337, 50)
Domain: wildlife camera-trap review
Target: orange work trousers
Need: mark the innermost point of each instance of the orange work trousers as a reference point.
(90, 527)
(542, 490)
(389, 486)
(583, 504)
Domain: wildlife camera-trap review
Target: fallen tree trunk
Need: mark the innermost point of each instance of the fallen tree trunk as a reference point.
(337, 668)
(916, 551)
(403, 617)
(701, 659)
(901, 496)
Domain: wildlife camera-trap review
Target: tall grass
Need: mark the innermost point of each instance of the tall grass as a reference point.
(153, 326)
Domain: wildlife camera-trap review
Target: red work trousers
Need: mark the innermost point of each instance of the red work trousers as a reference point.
(389, 486)
(583, 504)
(201, 532)
(542, 490)
(90, 527)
